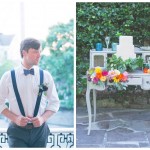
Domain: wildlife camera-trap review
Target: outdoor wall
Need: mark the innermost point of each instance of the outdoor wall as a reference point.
(124, 99)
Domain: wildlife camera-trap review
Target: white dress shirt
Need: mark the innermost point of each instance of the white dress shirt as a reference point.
(28, 87)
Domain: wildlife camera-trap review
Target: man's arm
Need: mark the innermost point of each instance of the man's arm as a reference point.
(53, 102)
(51, 94)
(19, 120)
(38, 121)
(47, 114)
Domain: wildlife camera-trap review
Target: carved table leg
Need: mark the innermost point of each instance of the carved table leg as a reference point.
(94, 104)
(88, 108)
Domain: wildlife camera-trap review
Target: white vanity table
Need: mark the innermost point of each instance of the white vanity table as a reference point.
(99, 58)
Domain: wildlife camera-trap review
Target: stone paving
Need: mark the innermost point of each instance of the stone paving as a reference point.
(114, 128)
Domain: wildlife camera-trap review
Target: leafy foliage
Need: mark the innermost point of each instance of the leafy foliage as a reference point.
(6, 65)
(96, 20)
(60, 61)
(129, 65)
(115, 62)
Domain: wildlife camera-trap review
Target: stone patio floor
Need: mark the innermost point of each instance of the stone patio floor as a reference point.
(114, 128)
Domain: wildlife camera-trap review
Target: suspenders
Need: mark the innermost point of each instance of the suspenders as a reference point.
(18, 96)
(39, 95)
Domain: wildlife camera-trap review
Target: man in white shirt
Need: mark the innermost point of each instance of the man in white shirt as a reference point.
(28, 126)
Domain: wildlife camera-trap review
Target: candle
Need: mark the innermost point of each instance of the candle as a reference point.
(99, 47)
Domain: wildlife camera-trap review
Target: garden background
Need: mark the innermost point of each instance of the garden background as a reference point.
(57, 52)
(52, 23)
(95, 21)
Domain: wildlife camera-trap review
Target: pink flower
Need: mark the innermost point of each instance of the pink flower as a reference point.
(104, 73)
(111, 74)
(125, 73)
(95, 80)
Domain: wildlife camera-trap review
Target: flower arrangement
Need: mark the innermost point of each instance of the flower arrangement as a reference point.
(99, 76)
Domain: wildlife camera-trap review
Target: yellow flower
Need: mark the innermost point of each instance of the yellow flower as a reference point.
(103, 78)
(116, 79)
(98, 70)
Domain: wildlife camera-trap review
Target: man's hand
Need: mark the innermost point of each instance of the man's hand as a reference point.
(18, 119)
(22, 121)
(37, 121)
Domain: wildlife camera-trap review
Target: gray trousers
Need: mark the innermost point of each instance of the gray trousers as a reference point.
(22, 137)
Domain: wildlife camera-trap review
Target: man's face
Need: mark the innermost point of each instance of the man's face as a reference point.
(31, 57)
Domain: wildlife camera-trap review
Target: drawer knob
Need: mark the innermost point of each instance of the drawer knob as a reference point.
(148, 82)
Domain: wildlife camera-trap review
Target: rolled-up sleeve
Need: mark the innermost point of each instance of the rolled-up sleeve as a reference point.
(52, 95)
(3, 91)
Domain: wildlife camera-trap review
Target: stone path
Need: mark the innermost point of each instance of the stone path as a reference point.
(124, 128)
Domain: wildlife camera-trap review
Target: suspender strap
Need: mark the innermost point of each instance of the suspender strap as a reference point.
(16, 92)
(18, 96)
(39, 95)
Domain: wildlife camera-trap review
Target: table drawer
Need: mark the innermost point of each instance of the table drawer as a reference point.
(134, 81)
(146, 83)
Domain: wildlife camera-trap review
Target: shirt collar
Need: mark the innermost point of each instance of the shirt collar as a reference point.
(21, 68)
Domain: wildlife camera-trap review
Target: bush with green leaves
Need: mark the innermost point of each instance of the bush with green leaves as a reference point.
(95, 20)
(60, 62)
(6, 66)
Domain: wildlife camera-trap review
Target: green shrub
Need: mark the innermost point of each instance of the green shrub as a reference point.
(7, 65)
(96, 20)
(60, 62)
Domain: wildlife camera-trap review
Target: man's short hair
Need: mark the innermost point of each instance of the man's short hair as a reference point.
(28, 43)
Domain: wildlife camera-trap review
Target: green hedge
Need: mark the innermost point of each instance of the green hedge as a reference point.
(96, 20)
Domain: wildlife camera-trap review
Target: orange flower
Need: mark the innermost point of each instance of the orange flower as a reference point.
(98, 75)
(120, 76)
(145, 70)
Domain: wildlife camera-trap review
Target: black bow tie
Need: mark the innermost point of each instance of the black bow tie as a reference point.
(26, 72)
